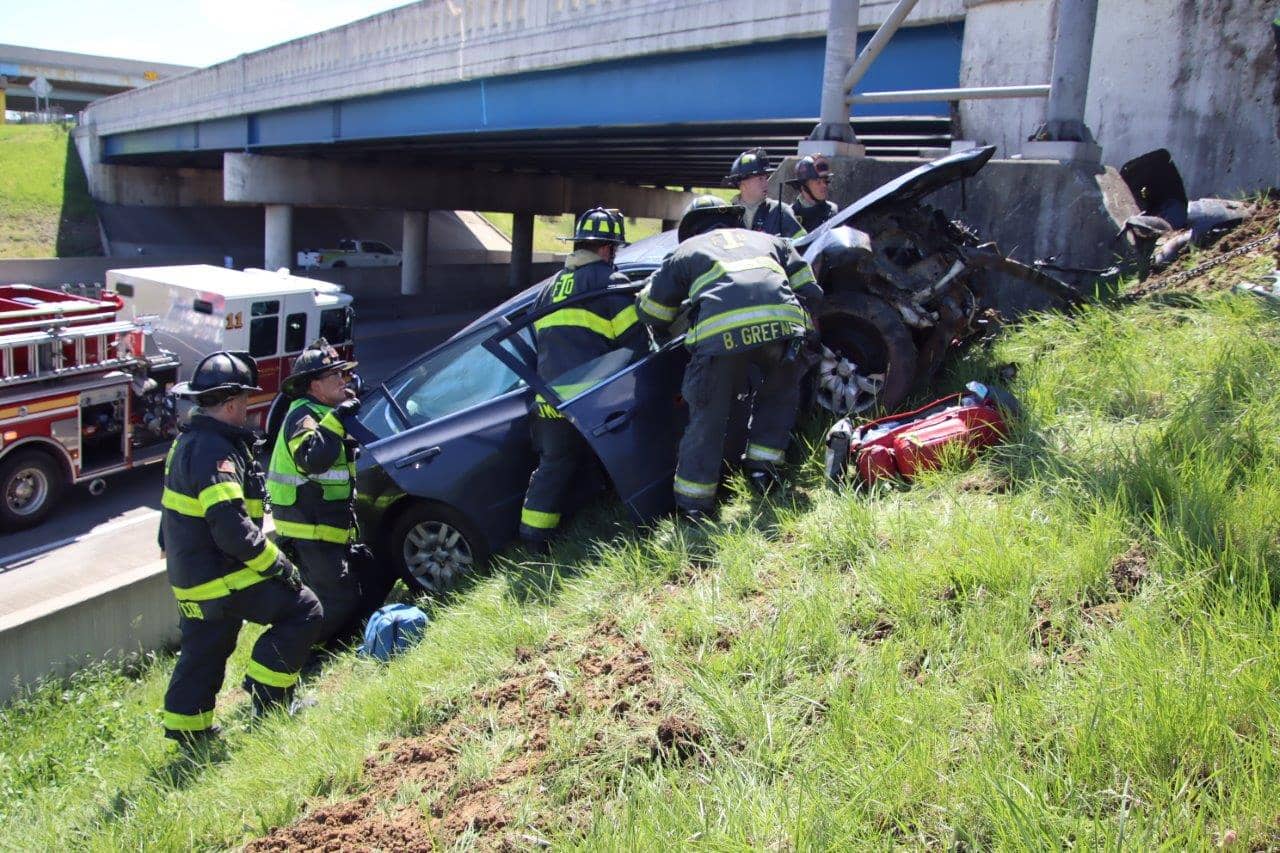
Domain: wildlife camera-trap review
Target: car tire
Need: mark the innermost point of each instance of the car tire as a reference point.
(868, 331)
(434, 548)
(31, 484)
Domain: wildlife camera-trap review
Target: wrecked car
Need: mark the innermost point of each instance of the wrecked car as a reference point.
(447, 449)
(903, 283)
(447, 453)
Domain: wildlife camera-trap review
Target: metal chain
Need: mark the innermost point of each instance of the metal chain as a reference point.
(1199, 269)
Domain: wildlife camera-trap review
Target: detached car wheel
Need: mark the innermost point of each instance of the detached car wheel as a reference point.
(869, 358)
(435, 547)
(31, 482)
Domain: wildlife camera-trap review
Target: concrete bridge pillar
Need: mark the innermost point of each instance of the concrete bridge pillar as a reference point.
(413, 252)
(521, 250)
(1064, 135)
(834, 134)
(278, 237)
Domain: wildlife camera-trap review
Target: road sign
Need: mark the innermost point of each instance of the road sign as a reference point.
(41, 87)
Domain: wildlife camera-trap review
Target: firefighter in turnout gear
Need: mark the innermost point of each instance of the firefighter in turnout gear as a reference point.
(223, 570)
(812, 183)
(311, 483)
(750, 174)
(751, 298)
(568, 342)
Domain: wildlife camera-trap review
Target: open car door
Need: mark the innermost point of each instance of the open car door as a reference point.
(626, 404)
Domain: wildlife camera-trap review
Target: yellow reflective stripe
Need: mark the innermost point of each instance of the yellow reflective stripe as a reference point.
(331, 422)
(801, 277)
(760, 453)
(695, 490)
(176, 722)
(624, 320)
(180, 503)
(219, 587)
(219, 492)
(718, 270)
(315, 532)
(800, 233)
(579, 318)
(265, 559)
(270, 677)
(540, 520)
(255, 508)
(573, 390)
(296, 442)
(656, 309)
(730, 320)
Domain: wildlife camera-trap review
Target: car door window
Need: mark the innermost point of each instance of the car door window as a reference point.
(458, 376)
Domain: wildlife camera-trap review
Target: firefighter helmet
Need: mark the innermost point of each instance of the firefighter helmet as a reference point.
(811, 167)
(220, 376)
(313, 362)
(752, 162)
(706, 212)
(599, 225)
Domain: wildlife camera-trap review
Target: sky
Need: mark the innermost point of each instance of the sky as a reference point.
(183, 32)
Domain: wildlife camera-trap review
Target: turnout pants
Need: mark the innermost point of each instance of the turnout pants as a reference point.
(710, 383)
(324, 569)
(561, 450)
(294, 620)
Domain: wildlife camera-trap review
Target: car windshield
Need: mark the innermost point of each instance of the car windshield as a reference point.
(459, 375)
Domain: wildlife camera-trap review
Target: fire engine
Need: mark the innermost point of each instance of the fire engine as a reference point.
(83, 381)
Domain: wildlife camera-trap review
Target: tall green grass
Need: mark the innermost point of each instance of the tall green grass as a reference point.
(950, 665)
(45, 208)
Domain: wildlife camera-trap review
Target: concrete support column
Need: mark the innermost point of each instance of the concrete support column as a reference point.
(1064, 135)
(413, 252)
(521, 250)
(278, 237)
(834, 134)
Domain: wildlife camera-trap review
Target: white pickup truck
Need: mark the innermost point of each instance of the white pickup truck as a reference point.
(350, 253)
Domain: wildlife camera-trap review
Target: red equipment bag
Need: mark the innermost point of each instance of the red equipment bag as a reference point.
(898, 446)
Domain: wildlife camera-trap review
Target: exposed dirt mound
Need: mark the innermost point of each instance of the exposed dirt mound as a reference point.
(422, 792)
(1129, 570)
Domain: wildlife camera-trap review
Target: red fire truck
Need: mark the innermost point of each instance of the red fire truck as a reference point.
(83, 381)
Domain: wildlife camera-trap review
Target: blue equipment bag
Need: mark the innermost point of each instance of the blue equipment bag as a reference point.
(392, 629)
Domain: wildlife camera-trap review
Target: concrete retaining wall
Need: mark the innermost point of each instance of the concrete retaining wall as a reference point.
(1201, 79)
(448, 287)
(130, 613)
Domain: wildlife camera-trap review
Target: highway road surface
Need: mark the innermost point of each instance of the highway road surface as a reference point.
(87, 538)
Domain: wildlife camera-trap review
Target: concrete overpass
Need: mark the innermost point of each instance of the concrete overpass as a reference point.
(77, 78)
(528, 106)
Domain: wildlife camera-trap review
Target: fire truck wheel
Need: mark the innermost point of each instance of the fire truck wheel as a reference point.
(435, 547)
(30, 484)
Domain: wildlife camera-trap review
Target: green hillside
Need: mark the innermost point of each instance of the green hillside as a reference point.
(45, 208)
(1072, 643)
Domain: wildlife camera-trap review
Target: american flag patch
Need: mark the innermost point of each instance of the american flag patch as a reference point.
(226, 466)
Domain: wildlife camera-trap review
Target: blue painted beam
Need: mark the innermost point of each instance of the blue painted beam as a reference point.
(768, 80)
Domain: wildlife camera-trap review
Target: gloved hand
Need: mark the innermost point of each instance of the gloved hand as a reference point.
(287, 573)
(347, 408)
(359, 551)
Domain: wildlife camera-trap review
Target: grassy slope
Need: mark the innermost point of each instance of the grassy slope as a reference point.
(964, 661)
(45, 209)
(547, 230)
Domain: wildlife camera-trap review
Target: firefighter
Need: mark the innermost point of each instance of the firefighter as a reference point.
(223, 570)
(750, 174)
(311, 483)
(812, 183)
(751, 301)
(567, 339)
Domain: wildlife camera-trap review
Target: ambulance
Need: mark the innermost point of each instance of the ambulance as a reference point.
(200, 309)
